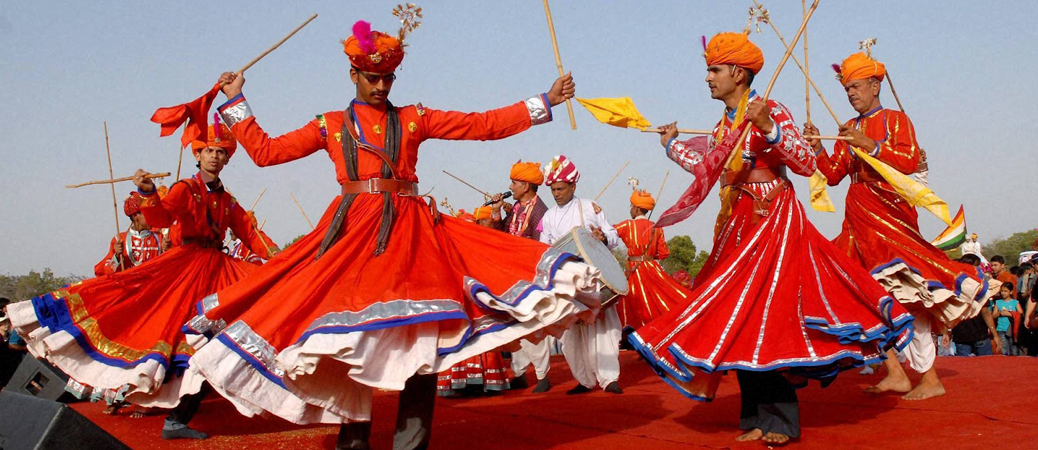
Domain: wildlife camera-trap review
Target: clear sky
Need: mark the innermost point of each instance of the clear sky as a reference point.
(66, 66)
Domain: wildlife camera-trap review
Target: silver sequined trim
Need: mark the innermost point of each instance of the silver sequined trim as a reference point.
(538, 110)
(236, 113)
(254, 345)
(203, 324)
(386, 310)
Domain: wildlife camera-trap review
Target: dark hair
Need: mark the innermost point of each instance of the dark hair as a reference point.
(1015, 270)
(1008, 286)
(533, 187)
(999, 259)
(970, 259)
(1026, 265)
(749, 76)
(4, 301)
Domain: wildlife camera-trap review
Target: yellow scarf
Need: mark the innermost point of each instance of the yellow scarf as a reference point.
(734, 163)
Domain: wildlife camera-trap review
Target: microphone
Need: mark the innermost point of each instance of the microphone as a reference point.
(503, 196)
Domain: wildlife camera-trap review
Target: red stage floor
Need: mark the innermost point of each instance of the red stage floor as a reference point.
(991, 404)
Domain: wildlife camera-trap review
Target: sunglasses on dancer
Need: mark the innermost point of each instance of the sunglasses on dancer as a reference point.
(374, 78)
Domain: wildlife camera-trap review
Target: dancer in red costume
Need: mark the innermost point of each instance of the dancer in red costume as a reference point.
(775, 301)
(385, 292)
(881, 229)
(124, 330)
(134, 246)
(652, 292)
(483, 373)
(238, 250)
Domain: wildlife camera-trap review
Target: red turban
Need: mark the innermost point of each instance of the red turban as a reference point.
(734, 48)
(373, 51)
(482, 212)
(219, 136)
(529, 172)
(560, 169)
(132, 204)
(643, 200)
(860, 66)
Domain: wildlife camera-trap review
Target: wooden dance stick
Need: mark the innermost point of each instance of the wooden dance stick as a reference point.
(892, 91)
(558, 62)
(257, 200)
(658, 194)
(117, 180)
(805, 72)
(807, 69)
(301, 210)
(706, 132)
(778, 69)
(282, 41)
(466, 183)
(180, 161)
(115, 203)
(612, 180)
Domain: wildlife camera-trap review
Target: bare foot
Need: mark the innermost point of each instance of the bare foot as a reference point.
(776, 439)
(111, 409)
(139, 412)
(924, 391)
(751, 435)
(893, 382)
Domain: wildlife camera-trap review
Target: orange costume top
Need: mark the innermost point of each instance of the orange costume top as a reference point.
(651, 291)
(138, 248)
(881, 228)
(417, 122)
(204, 212)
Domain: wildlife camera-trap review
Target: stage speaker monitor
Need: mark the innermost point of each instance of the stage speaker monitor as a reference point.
(30, 423)
(39, 379)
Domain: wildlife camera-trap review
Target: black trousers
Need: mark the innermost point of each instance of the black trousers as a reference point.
(413, 420)
(769, 403)
(188, 405)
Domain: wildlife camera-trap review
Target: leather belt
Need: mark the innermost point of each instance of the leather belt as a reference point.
(203, 242)
(641, 258)
(867, 177)
(758, 175)
(376, 185)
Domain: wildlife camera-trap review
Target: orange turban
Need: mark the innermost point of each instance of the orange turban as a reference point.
(529, 172)
(219, 136)
(859, 67)
(482, 212)
(734, 48)
(373, 51)
(643, 200)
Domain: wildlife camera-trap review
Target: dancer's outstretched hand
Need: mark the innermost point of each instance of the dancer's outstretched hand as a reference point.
(563, 89)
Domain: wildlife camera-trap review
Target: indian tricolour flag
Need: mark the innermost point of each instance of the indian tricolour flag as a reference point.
(953, 236)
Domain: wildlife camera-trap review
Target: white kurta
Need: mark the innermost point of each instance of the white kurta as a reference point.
(592, 350)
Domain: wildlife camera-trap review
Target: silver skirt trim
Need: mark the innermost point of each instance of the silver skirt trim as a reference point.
(254, 345)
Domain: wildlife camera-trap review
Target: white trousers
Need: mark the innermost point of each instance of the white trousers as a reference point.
(536, 354)
(921, 351)
(593, 350)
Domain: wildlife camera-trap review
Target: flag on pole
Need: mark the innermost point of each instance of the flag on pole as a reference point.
(193, 112)
(953, 236)
(820, 200)
(618, 112)
(913, 191)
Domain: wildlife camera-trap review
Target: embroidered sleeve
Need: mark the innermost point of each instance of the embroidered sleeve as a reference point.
(689, 153)
(788, 142)
(899, 147)
(264, 150)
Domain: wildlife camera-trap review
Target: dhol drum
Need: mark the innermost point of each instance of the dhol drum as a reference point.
(579, 241)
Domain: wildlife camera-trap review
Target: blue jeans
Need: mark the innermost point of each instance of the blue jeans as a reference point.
(1008, 349)
(979, 348)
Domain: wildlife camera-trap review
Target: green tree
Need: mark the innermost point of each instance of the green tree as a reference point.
(1012, 246)
(24, 287)
(684, 256)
